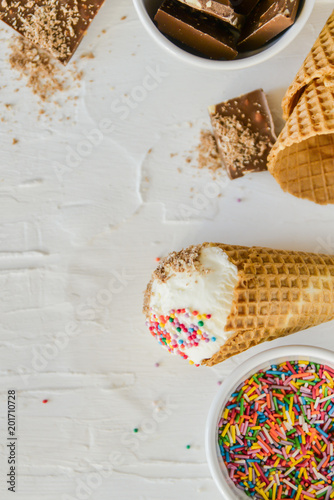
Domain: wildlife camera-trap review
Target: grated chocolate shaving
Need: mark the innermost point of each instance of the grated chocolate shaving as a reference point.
(239, 144)
(175, 262)
(54, 25)
(207, 153)
(44, 74)
(186, 259)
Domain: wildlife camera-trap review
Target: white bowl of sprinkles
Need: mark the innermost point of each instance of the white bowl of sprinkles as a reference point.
(318, 428)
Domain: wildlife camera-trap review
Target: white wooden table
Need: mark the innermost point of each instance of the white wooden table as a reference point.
(84, 212)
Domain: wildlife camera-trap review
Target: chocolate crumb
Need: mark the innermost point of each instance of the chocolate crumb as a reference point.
(89, 55)
(239, 144)
(53, 25)
(44, 74)
(176, 262)
(207, 153)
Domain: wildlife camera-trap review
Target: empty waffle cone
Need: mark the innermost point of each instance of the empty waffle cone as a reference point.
(278, 293)
(319, 64)
(275, 293)
(302, 159)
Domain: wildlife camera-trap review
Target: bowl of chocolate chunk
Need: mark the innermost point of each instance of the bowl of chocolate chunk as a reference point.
(226, 34)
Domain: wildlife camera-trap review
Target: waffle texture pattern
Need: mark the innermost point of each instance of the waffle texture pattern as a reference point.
(278, 293)
(319, 64)
(302, 159)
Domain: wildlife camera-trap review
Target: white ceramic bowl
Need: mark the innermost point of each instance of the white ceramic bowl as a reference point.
(262, 360)
(147, 9)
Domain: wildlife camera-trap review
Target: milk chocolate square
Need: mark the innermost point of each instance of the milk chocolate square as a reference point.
(221, 9)
(267, 20)
(244, 7)
(55, 25)
(244, 131)
(204, 33)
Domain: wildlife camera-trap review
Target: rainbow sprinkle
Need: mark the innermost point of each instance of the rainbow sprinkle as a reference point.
(276, 433)
(180, 329)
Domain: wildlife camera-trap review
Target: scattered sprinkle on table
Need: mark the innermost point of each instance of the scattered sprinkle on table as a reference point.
(276, 433)
(45, 401)
(135, 430)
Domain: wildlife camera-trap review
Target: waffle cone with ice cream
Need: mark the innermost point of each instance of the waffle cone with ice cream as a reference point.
(302, 159)
(212, 301)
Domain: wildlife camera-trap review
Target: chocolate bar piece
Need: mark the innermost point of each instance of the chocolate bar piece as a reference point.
(206, 34)
(244, 7)
(55, 25)
(222, 9)
(244, 131)
(266, 21)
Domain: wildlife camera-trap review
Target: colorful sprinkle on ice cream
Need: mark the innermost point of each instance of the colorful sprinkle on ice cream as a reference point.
(180, 330)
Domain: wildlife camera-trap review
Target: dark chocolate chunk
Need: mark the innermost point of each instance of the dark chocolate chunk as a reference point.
(55, 25)
(222, 9)
(267, 20)
(244, 131)
(244, 7)
(204, 33)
